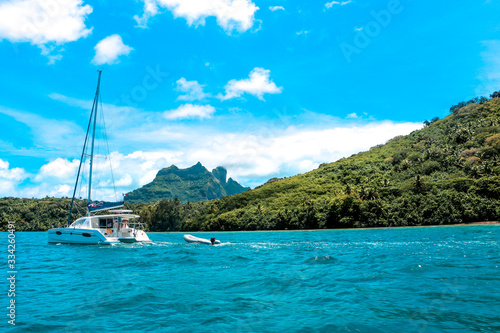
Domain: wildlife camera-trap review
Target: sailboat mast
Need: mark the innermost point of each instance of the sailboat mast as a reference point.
(96, 103)
(94, 108)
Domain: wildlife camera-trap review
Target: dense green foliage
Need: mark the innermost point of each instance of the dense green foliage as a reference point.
(36, 214)
(477, 100)
(446, 173)
(192, 184)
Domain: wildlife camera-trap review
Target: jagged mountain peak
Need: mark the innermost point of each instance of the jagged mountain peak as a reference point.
(192, 184)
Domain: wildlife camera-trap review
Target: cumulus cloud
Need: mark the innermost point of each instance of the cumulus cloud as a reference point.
(341, 3)
(45, 24)
(10, 178)
(192, 89)
(275, 8)
(257, 84)
(190, 111)
(251, 157)
(230, 14)
(44, 189)
(143, 166)
(60, 169)
(254, 157)
(129, 171)
(109, 49)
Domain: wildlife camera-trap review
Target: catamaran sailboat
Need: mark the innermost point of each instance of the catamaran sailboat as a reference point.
(117, 226)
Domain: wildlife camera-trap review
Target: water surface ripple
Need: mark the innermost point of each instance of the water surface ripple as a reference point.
(433, 279)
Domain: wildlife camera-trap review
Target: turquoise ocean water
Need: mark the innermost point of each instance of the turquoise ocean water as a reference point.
(433, 279)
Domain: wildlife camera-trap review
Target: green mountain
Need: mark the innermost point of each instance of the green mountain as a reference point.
(192, 184)
(446, 173)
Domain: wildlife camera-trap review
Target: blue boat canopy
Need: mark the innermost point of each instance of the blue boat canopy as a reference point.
(97, 206)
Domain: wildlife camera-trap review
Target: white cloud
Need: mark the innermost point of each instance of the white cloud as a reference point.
(130, 172)
(275, 8)
(490, 73)
(230, 14)
(110, 109)
(143, 166)
(190, 111)
(125, 181)
(44, 23)
(84, 104)
(257, 84)
(59, 168)
(341, 3)
(44, 189)
(192, 89)
(251, 156)
(150, 127)
(352, 115)
(358, 29)
(252, 149)
(61, 191)
(46, 133)
(10, 178)
(109, 49)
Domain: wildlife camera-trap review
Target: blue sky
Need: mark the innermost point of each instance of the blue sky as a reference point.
(264, 88)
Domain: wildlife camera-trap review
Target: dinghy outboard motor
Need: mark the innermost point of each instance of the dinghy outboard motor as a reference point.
(212, 240)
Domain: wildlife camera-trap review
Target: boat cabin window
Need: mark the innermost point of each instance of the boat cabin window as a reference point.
(79, 223)
(105, 223)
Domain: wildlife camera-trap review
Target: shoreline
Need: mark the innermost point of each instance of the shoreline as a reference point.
(478, 223)
(365, 228)
(465, 224)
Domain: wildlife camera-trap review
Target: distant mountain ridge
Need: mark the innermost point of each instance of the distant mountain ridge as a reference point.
(192, 184)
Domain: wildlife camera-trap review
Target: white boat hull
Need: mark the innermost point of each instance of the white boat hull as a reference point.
(193, 239)
(91, 237)
(77, 236)
(133, 237)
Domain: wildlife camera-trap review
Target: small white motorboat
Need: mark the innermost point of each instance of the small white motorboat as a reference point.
(193, 239)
